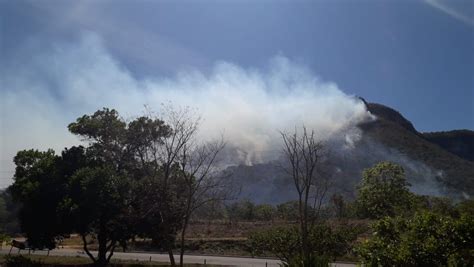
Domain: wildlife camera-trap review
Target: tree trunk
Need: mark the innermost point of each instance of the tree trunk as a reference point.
(305, 232)
(102, 259)
(84, 242)
(183, 232)
(102, 253)
(170, 253)
(302, 227)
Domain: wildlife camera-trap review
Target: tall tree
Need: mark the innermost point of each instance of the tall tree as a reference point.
(303, 154)
(100, 210)
(159, 208)
(180, 172)
(100, 192)
(383, 191)
(74, 192)
(144, 177)
(202, 182)
(40, 188)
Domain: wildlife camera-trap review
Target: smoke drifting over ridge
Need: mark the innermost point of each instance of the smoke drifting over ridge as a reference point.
(249, 106)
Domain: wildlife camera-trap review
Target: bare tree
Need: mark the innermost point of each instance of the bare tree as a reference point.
(186, 170)
(303, 154)
(202, 180)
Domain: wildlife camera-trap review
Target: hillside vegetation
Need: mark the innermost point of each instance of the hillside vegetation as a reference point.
(458, 142)
(456, 174)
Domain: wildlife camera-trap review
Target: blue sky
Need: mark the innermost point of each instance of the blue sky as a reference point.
(61, 59)
(406, 54)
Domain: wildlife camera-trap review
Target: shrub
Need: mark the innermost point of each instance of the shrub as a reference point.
(21, 261)
(426, 239)
(313, 261)
(264, 212)
(4, 238)
(284, 242)
(466, 207)
(288, 210)
(242, 210)
(438, 205)
(281, 241)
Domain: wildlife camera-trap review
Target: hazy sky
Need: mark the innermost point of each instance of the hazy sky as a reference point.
(415, 56)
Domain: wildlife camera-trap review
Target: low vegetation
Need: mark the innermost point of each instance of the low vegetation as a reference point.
(56, 261)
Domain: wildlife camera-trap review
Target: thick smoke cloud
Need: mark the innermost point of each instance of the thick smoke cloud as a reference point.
(249, 106)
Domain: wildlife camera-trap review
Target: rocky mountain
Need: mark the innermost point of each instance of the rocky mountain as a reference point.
(455, 172)
(435, 163)
(458, 142)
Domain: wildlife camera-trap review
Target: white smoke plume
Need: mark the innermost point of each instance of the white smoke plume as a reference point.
(248, 106)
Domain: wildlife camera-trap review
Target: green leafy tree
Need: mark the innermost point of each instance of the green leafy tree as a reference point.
(383, 191)
(142, 177)
(39, 187)
(426, 239)
(435, 204)
(84, 190)
(282, 242)
(10, 213)
(3, 212)
(265, 212)
(98, 204)
(74, 192)
(242, 210)
(100, 192)
(288, 210)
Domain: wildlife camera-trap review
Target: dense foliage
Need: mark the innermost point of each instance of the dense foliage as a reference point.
(426, 239)
(458, 142)
(8, 214)
(245, 210)
(40, 186)
(21, 261)
(383, 191)
(325, 242)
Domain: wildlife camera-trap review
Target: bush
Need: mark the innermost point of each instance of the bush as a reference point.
(426, 239)
(4, 238)
(280, 241)
(439, 205)
(265, 212)
(284, 242)
(288, 210)
(313, 261)
(242, 210)
(245, 210)
(466, 207)
(21, 261)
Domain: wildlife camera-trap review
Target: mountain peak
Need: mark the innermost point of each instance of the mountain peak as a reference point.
(386, 113)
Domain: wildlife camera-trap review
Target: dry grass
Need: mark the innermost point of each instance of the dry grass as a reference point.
(216, 237)
(219, 229)
(82, 261)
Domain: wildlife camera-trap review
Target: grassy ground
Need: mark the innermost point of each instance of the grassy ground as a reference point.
(81, 261)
